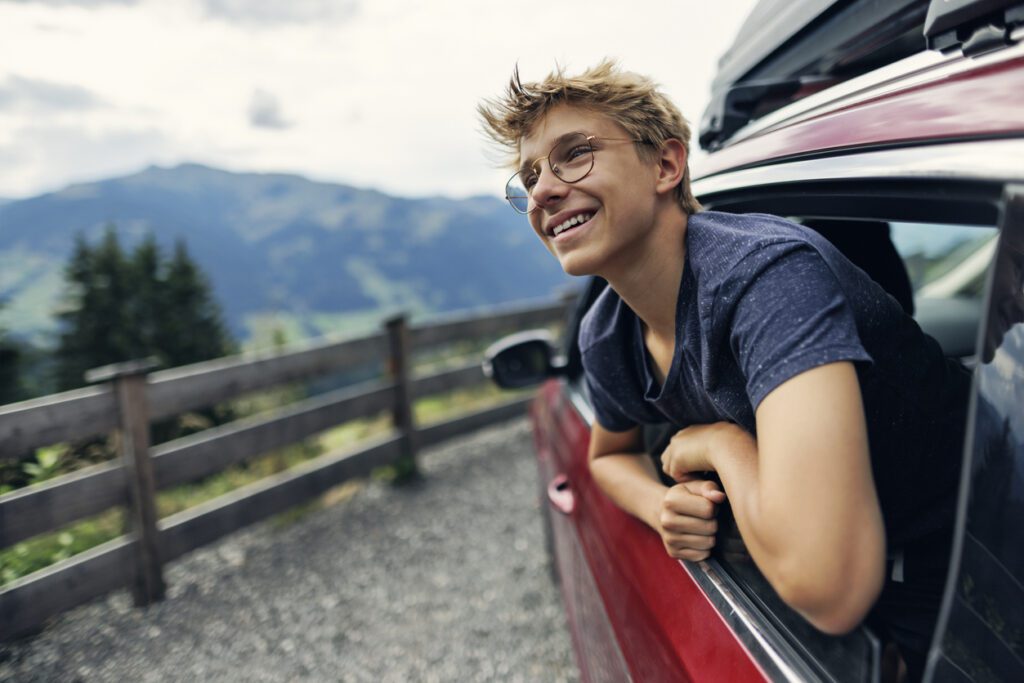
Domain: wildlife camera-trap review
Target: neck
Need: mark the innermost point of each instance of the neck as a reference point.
(649, 279)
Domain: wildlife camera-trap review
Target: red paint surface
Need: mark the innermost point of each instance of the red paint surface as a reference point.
(664, 624)
(978, 103)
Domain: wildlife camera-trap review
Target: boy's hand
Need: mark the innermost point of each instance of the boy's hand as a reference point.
(693, 449)
(687, 518)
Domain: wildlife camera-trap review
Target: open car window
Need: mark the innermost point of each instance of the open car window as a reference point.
(938, 271)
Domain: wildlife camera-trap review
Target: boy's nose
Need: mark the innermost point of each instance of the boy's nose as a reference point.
(549, 187)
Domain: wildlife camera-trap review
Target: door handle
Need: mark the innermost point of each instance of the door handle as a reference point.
(560, 494)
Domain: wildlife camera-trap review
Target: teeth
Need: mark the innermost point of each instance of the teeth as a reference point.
(570, 222)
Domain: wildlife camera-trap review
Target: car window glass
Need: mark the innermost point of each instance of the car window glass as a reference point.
(944, 260)
(936, 271)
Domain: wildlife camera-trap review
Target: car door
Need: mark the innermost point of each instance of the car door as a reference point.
(981, 630)
(634, 612)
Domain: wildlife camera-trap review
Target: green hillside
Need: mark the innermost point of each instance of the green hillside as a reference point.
(283, 252)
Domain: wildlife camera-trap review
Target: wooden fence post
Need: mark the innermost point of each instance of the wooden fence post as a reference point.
(399, 371)
(133, 444)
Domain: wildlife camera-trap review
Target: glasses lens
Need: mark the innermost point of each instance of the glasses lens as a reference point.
(572, 158)
(517, 195)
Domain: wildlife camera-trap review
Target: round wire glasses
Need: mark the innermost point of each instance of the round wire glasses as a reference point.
(571, 159)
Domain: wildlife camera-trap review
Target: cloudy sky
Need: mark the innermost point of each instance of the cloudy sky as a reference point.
(374, 93)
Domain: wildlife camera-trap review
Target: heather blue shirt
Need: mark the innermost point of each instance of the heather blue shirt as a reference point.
(762, 300)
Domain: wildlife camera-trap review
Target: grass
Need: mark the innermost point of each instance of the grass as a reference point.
(40, 552)
(46, 549)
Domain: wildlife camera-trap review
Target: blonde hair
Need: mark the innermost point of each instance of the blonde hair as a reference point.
(631, 100)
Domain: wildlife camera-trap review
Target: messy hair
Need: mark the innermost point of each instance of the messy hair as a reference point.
(631, 100)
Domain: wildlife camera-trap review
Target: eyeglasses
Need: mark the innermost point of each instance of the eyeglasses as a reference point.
(571, 159)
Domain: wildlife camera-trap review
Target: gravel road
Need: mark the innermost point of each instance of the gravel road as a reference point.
(444, 580)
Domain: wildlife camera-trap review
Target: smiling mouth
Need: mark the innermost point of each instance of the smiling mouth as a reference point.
(572, 222)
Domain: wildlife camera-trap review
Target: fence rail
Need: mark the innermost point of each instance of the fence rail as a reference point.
(136, 559)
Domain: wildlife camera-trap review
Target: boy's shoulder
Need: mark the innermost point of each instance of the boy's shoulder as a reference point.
(715, 240)
(605, 320)
(716, 243)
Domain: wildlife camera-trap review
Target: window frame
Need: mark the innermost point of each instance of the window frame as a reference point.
(950, 183)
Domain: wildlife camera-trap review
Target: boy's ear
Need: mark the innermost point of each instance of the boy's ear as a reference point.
(671, 165)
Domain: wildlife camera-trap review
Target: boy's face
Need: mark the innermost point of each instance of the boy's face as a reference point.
(618, 195)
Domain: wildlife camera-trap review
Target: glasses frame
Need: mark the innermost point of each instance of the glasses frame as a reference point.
(536, 167)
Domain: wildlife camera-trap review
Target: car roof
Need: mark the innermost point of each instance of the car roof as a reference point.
(789, 49)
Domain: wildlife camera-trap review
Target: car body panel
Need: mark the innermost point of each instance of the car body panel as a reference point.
(664, 626)
(977, 103)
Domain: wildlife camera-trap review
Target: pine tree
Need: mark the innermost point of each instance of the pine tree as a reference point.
(95, 330)
(120, 308)
(10, 368)
(146, 302)
(191, 328)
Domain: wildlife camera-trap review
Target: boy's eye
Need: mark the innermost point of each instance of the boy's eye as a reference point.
(528, 179)
(577, 151)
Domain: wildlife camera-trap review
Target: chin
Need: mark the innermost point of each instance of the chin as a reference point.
(577, 266)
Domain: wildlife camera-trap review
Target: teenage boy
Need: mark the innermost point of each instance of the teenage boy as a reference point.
(779, 360)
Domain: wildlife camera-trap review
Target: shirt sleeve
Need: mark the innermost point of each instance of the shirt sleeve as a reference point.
(786, 313)
(606, 411)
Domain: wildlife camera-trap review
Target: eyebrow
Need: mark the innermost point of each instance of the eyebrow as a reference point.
(528, 163)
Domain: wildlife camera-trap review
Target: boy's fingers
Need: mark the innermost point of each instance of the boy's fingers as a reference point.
(679, 524)
(716, 497)
(689, 541)
(681, 499)
(711, 490)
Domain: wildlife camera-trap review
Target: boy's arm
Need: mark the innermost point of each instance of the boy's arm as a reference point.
(803, 494)
(683, 515)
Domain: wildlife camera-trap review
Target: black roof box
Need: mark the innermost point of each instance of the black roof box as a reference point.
(974, 26)
(786, 46)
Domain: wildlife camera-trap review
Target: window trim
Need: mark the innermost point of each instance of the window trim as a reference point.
(987, 162)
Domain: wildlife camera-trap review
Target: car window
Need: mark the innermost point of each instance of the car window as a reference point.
(938, 273)
(945, 261)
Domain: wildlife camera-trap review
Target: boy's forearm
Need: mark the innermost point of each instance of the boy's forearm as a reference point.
(804, 566)
(632, 483)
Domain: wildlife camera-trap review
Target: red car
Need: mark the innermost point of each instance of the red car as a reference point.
(897, 130)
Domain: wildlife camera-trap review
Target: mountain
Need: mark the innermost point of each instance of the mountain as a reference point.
(281, 250)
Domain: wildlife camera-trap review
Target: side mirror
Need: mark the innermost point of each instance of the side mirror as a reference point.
(521, 360)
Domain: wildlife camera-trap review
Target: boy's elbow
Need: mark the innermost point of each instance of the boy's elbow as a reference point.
(834, 604)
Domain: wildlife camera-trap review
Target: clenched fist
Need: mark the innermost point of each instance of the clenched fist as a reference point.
(687, 518)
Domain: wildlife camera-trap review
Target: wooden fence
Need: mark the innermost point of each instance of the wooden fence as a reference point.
(131, 397)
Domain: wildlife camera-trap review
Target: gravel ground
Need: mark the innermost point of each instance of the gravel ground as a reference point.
(443, 580)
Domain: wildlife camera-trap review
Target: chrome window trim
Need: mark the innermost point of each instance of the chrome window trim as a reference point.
(988, 160)
(920, 68)
(777, 660)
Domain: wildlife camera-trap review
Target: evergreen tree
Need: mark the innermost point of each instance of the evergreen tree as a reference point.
(122, 307)
(191, 328)
(147, 299)
(10, 368)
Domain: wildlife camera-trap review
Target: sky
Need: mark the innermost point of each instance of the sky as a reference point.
(373, 93)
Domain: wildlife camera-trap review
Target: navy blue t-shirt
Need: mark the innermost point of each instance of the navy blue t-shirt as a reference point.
(761, 300)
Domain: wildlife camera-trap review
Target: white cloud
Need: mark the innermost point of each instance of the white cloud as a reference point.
(265, 111)
(383, 96)
(35, 96)
(269, 12)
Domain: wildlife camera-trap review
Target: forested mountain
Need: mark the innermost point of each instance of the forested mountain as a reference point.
(281, 250)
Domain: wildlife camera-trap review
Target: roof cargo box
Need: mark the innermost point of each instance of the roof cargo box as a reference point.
(787, 48)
